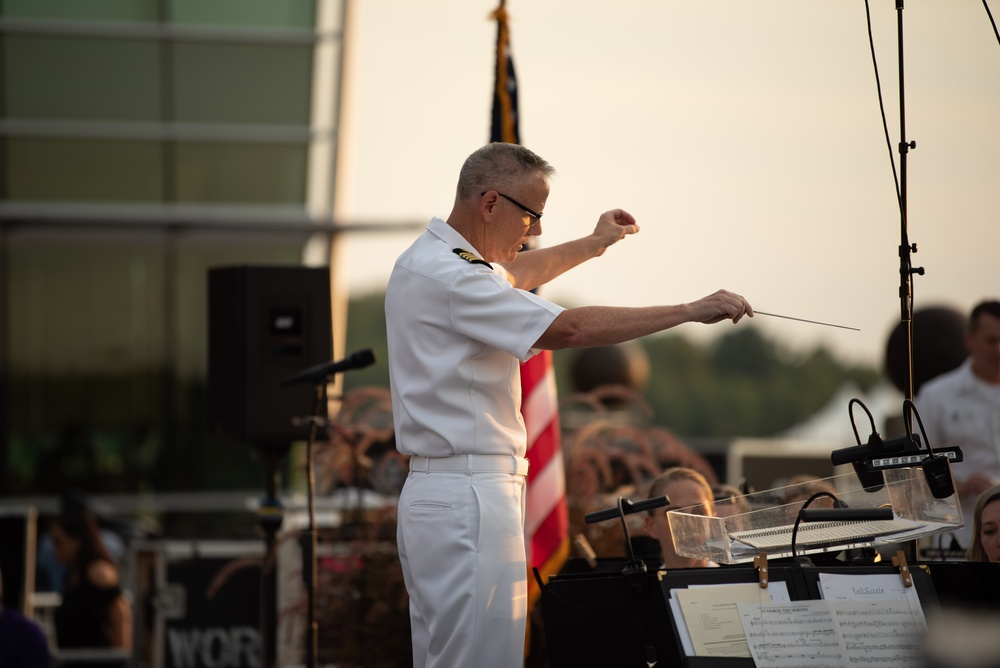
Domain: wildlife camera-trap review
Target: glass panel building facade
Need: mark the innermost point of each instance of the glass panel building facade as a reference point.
(142, 142)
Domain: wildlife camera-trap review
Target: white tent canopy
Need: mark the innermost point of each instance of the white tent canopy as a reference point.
(832, 423)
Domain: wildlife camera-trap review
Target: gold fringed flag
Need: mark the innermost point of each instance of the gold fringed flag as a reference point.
(504, 126)
(546, 527)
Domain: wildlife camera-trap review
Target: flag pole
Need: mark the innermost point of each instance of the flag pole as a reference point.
(546, 523)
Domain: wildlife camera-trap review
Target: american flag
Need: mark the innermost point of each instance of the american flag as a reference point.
(546, 527)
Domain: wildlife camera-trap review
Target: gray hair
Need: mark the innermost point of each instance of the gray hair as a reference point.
(498, 166)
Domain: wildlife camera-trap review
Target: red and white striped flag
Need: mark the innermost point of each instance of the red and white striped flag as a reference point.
(546, 526)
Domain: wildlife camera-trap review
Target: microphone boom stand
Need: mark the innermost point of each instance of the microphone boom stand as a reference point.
(312, 631)
(906, 269)
(622, 508)
(320, 375)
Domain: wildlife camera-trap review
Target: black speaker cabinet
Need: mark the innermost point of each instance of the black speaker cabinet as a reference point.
(265, 324)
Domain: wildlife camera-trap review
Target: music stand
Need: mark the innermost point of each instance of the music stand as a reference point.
(606, 619)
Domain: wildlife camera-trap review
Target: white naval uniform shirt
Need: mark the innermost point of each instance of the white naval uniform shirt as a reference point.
(456, 330)
(958, 409)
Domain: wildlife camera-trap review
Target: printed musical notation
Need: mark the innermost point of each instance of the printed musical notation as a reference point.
(712, 620)
(883, 632)
(882, 660)
(864, 635)
(884, 647)
(790, 635)
(712, 607)
(864, 622)
(833, 633)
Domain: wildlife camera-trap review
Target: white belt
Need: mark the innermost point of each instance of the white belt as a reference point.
(470, 464)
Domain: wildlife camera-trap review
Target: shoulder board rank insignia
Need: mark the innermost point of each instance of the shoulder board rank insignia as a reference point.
(469, 257)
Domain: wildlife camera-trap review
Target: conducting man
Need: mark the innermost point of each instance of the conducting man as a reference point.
(460, 315)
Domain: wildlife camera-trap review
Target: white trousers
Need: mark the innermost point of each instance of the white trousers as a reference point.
(461, 544)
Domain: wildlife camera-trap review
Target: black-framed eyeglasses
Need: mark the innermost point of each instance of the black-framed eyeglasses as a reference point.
(535, 216)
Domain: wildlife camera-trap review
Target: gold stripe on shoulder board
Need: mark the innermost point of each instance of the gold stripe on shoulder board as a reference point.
(469, 257)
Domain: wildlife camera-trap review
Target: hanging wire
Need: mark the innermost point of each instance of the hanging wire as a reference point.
(871, 419)
(992, 22)
(881, 106)
(881, 102)
(837, 503)
(910, 412)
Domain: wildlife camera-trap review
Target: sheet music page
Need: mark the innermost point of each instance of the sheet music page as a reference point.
(883, 633)
(830, 634)
(712, 619)
(792, 635)
(776, 590)
(879, 587)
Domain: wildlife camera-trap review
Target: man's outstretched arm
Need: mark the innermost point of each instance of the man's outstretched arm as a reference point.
(607, 325)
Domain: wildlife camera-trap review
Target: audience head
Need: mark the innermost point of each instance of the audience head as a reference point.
(729, 500)
(982, 340)
(684, 488)
(986, 527)
(799, 488)
(76, 539)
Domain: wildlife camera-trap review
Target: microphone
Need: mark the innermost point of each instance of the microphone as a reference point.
(356, 360)
(873, 447)
(628, 507)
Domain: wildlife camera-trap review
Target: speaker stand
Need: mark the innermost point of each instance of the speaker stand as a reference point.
(269, 517)
(312, 625)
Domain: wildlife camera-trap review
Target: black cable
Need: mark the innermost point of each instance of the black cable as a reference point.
(871, 419)
(628, 538)
(881, 106)
(795, 527)
(881, 103)
(907, 404)
(992, 22)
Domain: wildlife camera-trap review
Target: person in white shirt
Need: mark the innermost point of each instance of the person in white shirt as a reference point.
(459, 318)
(962, 408)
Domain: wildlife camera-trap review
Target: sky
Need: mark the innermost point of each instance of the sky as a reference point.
(744, 135)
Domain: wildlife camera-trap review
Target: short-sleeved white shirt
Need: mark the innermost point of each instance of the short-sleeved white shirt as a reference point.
(456, 330)
(959, 409)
